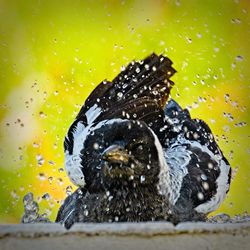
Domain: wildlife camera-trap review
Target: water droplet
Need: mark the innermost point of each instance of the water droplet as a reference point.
(236, 21)
(155, 92)
(51, 162)
(14, 194)
(28, 198)
(119, 95)
(35, 145)
(60, 181)
(30, 209)
(42, 114)
(125, 85)
(40, 159)
(199, 35)
(205, 185)
(132, 165)
(203, 177)
(69, 190)
(226, 128)
(239, 58)
(220, 218)
(123, 68)
(50, 179)
(202, 82)
(46, 196)
(189, 40)
(60, 170)
(200, 196)
(41, 177)
(142, 178)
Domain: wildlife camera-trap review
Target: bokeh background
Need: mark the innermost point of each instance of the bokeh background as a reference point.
(53, 54)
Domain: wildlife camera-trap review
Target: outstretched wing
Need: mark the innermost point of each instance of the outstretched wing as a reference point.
(139, 92)
(200, 174)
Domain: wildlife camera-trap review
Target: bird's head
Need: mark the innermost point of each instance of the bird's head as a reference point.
(121, 153)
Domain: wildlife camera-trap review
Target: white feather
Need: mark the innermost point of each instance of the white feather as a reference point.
(163, 185)
(73, 161)
(222, 180)
(222, 188)
(93, 113)
(73, 164)
(177, 158)
(68, 215)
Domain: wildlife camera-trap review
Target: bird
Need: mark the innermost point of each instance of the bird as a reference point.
(136, 155)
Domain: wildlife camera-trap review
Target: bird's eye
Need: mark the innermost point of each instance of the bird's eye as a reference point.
(138, 148)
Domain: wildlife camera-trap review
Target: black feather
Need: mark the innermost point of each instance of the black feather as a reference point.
(184, 131)
(134, 138)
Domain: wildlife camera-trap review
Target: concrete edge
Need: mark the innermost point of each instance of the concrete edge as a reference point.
(121, 229)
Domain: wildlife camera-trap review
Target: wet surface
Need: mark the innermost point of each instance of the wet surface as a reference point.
(150, 235)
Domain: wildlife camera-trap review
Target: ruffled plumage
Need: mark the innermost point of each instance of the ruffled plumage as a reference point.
(190, 175)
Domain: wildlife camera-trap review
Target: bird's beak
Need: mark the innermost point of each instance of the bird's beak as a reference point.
(116, 154)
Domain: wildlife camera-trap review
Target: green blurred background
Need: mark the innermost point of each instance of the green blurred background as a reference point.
(53, 53)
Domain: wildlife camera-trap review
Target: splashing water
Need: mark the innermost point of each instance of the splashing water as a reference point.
(31, 211)
(225, 218)
(31, 214)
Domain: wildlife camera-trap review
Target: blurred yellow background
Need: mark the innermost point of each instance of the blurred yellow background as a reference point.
(53, 53)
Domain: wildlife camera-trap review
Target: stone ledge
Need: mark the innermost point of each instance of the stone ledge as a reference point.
(150, 235)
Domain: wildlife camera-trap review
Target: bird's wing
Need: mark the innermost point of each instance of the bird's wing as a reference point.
(199, 172)
(67, 214)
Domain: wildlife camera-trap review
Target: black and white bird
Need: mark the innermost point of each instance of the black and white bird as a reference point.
(137, 156)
